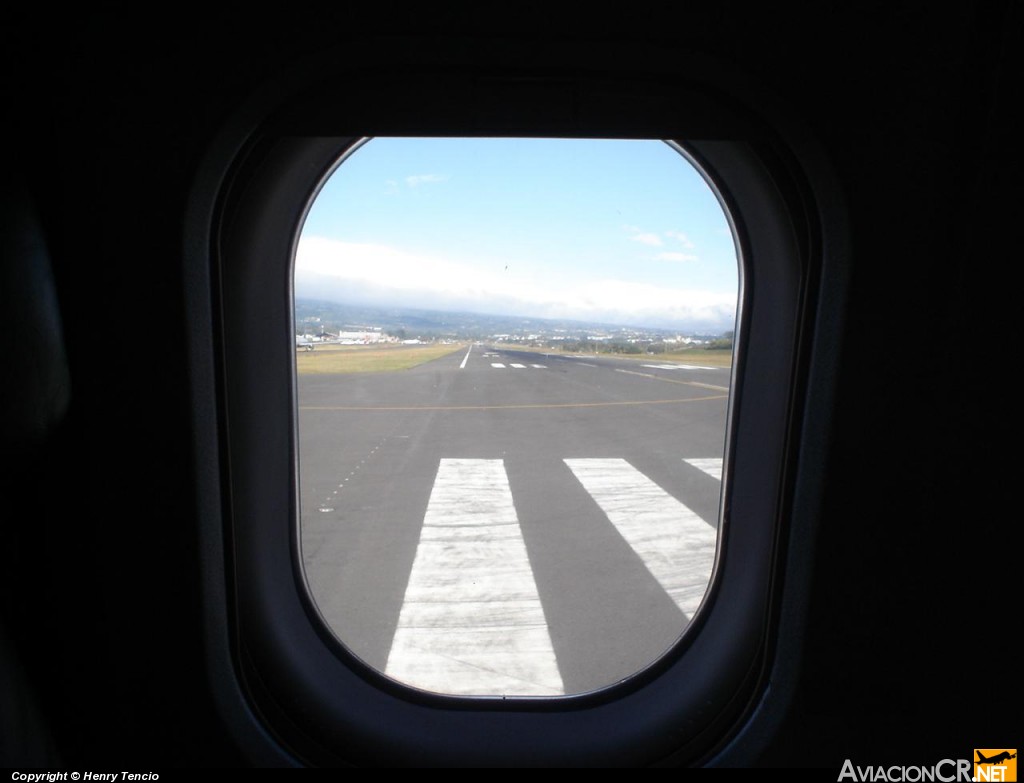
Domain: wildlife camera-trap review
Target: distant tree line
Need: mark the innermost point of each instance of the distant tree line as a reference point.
(593, 346)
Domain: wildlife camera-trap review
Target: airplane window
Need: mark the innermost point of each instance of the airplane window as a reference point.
(500, 460)
(513, 367)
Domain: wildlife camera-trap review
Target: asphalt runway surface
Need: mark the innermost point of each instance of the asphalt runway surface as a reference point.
(503, 523)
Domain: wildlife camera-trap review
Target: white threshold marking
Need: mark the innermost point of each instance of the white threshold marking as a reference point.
(519, 366)
(472, 623)
(539, 366)
(498, 365)
(465, 358)
(676, 545)
(710, 465)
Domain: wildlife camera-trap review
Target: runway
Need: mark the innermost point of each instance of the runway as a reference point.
(511, 523)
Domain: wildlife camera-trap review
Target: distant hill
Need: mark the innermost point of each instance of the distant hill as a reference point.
(316, 314)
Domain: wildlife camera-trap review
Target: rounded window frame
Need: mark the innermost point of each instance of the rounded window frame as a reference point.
(286, 671)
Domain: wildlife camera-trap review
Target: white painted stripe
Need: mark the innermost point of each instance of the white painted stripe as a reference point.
(472, 623)
(676, 545)
(539, 366)
(519, 366)
(465, 358)
(497, 365)
(660, 378)
(676, 367)
(710, 465)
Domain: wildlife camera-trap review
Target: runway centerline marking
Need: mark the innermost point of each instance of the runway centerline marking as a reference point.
(472, 622)
(465, 358)
(524, 406)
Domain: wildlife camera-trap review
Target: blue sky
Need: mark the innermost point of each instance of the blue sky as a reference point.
(618, 231)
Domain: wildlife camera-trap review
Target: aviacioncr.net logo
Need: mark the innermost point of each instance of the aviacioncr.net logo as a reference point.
(945, 771)
(995, 764)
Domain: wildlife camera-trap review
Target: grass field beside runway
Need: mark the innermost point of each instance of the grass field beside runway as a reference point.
(336, 359)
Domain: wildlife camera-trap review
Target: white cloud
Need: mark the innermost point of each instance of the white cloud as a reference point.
(419, 179)
(648, 239)
(676, 257)
(359, 268)
(683, 239)
(368, 273)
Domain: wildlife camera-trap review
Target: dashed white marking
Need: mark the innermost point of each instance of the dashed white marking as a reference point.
(539, 366)
(465, 358)
(710, 465)
(472, 623)
(519, 366)
(325, 507)
(676, 545)
(498, 365)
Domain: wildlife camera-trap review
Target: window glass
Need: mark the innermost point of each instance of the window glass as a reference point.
(513, 362)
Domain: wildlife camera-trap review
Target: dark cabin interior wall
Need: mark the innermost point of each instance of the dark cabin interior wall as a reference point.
(907, 657)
